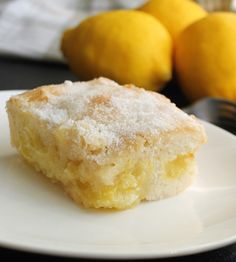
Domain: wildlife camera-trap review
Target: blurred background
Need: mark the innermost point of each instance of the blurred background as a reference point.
(33, 28)
(35, 51)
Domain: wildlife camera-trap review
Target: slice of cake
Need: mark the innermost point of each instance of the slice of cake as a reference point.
(108, 145)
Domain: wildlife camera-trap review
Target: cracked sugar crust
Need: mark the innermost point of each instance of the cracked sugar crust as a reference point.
(103, 113)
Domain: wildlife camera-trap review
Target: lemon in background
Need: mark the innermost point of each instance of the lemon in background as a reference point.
(205, 57)
(175, 15)
(127, 46)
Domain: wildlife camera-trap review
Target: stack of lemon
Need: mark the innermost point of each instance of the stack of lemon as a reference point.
(145, 45)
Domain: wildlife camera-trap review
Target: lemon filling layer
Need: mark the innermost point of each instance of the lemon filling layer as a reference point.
(120, 184)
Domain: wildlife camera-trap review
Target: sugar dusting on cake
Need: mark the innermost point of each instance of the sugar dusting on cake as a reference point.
(103, 112)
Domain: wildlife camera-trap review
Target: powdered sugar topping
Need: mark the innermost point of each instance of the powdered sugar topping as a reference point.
(104, 113)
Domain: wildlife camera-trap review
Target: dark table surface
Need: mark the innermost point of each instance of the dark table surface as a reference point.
(16, 73)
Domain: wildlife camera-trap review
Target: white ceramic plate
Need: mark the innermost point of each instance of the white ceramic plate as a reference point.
(36, 216)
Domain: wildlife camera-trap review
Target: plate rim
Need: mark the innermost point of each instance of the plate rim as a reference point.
(210, 246)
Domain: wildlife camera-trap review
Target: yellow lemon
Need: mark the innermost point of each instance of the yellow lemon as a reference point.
(205, 57)
(175, 15)
(127, 46)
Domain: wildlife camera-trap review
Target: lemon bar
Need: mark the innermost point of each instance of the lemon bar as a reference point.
(109, 146)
